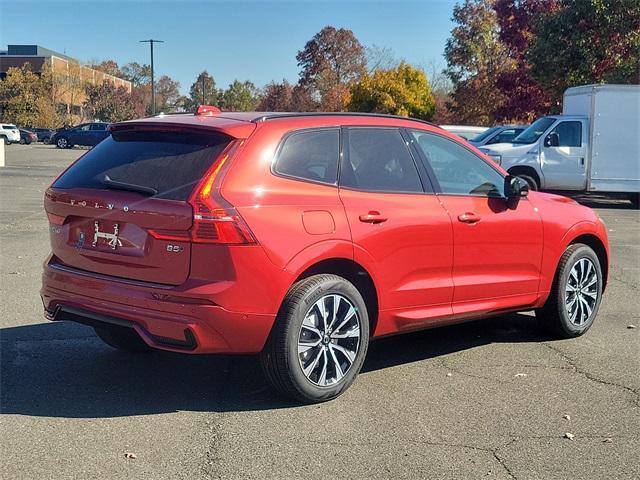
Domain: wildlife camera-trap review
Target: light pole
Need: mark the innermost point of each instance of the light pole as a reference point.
(153, 92)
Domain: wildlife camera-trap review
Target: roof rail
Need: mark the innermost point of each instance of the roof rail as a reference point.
(272, 116)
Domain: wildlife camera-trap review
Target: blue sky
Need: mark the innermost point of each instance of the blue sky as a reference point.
(255, 40)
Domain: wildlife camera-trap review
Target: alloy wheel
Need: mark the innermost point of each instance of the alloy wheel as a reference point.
(581, 291)
(329, 340)
(62, 142)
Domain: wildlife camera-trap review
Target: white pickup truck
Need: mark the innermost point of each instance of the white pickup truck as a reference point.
(594, 146)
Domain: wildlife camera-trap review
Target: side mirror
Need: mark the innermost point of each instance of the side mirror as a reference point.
(552, 140)
(515, 187)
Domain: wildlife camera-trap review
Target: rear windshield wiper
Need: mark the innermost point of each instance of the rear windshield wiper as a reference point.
(116, 185)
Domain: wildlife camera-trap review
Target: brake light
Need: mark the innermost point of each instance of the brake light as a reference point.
(207, 110)
(214, 219)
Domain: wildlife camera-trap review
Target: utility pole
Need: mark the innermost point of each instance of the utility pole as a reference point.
(153, 92)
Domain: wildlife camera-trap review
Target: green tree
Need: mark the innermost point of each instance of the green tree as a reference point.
(27, 99)
(110, 104)
(587, 41)
(240, 96)
(137, 74)
(403, 90)
(331, 61)
(475, 58)
(203, 91)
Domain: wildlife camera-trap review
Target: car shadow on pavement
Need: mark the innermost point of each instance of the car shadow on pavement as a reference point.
(63, 370)
(593, 200)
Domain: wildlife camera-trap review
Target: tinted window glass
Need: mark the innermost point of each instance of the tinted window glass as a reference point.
(379, 160)
(504, 137)
(311, 155)
(570, 134)
(171, 163)
(83, 128)
(486, 134)
(98, 126)
(458, 170)
(533, 132)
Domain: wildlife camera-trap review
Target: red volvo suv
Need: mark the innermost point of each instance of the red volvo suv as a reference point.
(302, 236)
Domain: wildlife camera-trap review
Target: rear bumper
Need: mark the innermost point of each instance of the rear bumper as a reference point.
(165, 318)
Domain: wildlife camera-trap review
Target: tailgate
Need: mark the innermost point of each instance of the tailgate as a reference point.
(122, 209)
(93, 231)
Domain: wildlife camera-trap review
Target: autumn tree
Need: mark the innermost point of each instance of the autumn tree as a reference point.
(240, 96)
(403, 90)
(475, 58)
(587, 41)
(441, 87)
(167, 94)
(524, 98)
(27, 99)
(109, 103)
(276, 97)
(330, 62)
(109, 67)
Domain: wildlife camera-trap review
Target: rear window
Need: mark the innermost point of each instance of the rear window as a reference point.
(162, 164)
(310, 155)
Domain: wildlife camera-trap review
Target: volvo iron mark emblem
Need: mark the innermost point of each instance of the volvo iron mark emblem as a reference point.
(113, 240)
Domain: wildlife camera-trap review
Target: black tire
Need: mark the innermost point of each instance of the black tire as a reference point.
(122, 338)
(554, 316)
(23, 141)
(62, 142)
(634, 198)
(280, 359)
(533, 185)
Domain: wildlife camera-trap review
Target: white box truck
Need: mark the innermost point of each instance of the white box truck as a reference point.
(594, 146)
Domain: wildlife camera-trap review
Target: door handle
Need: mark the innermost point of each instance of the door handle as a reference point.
(372, 217)
(469, 217)
(582, 161)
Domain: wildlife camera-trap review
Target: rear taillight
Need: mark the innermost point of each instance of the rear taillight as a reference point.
(214, 219)
(55, 219)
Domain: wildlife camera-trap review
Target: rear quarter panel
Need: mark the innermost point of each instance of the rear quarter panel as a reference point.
(289, 218)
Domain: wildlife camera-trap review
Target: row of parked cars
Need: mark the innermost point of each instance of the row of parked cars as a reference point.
(9, 133)
(86, 134)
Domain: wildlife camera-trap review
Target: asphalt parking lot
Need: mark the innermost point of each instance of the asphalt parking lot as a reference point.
(490, 399)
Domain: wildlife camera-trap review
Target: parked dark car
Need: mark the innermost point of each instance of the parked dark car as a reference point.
(44, 134)
(27, 136)
(85, 134)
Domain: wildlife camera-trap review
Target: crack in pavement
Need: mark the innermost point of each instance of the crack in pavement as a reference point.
(492, 451)
(633, 286)
(634, 392)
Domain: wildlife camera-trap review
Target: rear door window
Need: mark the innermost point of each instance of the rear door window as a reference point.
(310, 155)
(379, 160)
(162, 164)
